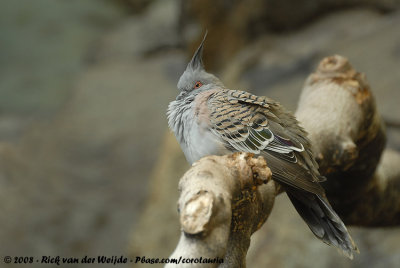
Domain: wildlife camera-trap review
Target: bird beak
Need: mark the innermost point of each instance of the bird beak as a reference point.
(197, 61)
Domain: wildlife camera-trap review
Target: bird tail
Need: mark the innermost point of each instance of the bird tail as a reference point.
(322, 220)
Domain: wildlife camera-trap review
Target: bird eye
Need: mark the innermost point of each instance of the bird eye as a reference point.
(198, 84)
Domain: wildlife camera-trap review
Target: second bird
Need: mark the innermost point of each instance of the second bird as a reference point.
(210, 119)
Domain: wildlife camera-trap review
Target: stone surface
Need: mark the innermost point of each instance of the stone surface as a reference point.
(44, 46)
(74, 171)
(235, 24)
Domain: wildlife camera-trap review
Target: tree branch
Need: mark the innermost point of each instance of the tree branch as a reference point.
(338, 110)
(223, 200)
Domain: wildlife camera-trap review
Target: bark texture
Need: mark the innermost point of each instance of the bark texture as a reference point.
(223, 201)
(338, 110)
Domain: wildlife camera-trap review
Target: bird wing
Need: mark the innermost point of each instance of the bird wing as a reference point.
(249, 123)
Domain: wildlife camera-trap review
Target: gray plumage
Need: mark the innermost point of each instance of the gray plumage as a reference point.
(209, 119)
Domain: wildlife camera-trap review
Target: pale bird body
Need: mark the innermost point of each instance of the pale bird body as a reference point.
(209, 119)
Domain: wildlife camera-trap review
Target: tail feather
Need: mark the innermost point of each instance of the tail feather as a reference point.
(322, 220)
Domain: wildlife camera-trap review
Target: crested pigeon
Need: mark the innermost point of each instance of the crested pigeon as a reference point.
(209, 119)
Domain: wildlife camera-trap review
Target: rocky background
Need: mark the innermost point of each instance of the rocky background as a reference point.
(87, 166)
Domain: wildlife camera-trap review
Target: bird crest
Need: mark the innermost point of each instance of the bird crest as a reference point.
(197, 59)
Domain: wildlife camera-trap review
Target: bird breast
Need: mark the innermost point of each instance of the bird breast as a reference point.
(201, 142)
(190, 124)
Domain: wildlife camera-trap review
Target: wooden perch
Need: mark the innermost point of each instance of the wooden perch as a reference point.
(223, 199)
(338, 111)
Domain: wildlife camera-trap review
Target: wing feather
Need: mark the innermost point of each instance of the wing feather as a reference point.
(261, 126)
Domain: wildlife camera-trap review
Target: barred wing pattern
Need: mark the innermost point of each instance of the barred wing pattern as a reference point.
(248, 123)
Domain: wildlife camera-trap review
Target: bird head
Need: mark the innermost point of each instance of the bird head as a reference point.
(195, 78)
